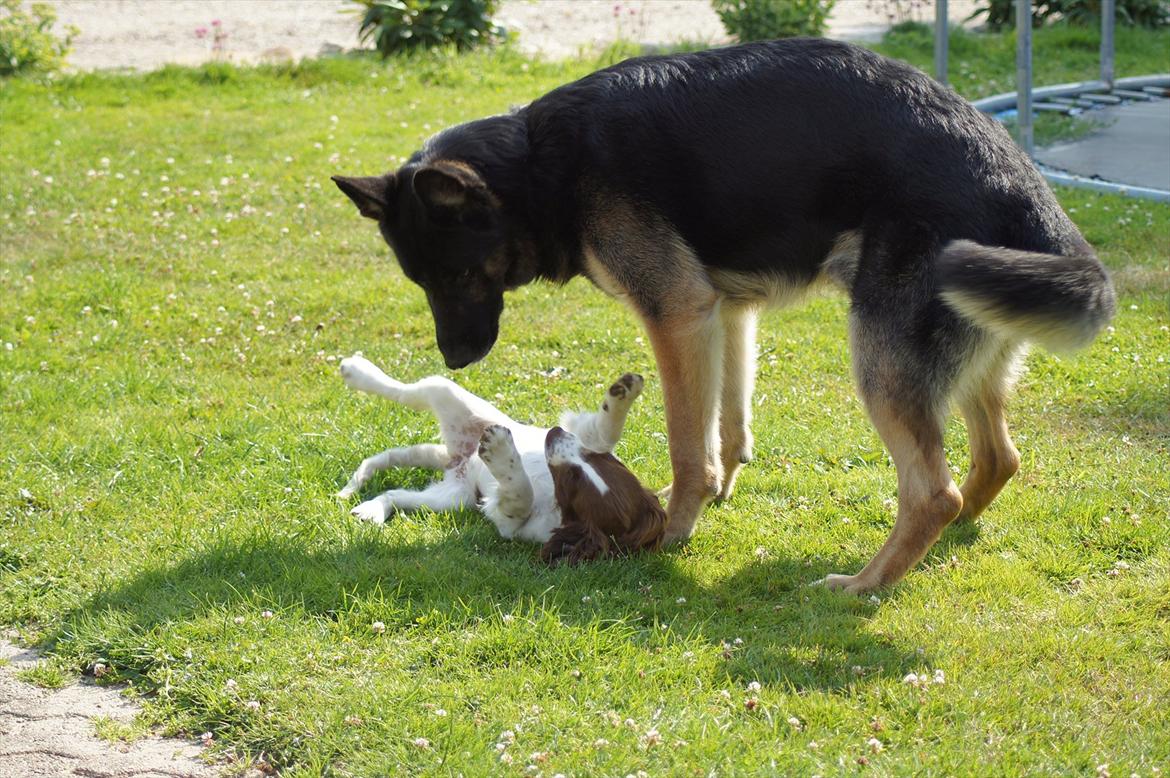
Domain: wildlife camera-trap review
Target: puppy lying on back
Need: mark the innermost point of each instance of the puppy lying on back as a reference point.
(560, 487)
(604, 509)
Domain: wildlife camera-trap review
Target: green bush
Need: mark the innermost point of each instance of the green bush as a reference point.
(754, 20)
(405, 25)
(1139, 13)
(27, 42)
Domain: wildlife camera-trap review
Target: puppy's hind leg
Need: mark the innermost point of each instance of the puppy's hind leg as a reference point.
(428, 455)
(451, 493)
(462, 416)
(600, 430)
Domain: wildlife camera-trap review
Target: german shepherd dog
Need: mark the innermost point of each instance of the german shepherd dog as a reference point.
(701, 187)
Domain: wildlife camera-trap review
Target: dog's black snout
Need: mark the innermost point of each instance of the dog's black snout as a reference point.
(461, 356)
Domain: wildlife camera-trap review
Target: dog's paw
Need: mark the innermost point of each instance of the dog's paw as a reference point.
(495, 444)
(626, 389)
(664, 492)
(374, 511)
(850, 584)
(359, 373)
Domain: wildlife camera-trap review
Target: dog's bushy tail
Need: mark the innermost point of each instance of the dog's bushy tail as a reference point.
(1059, 301)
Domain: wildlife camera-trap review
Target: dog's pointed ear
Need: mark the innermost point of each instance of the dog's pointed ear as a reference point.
(446, 186)
(372, 195)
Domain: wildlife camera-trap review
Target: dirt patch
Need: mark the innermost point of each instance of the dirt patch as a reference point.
(47, 732)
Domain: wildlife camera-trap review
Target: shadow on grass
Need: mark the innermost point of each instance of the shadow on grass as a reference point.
(789, 634)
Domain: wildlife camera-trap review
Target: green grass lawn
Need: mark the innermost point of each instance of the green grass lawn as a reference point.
(178, 280)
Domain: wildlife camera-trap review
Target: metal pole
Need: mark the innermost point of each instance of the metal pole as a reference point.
(940, 40)
(1024, 73)
(1108, 17)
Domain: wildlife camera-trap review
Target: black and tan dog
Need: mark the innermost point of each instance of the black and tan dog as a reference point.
(700, 187)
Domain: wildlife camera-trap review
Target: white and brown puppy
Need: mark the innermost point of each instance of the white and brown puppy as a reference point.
(500, 466)
(605, 510)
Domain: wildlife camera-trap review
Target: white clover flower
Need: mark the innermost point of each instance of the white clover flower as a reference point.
(875, 745)
(422, 742)
(252, 705)
(754, 686)
(795, 723)
(681, 601)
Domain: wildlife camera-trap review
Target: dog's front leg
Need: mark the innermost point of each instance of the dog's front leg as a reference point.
(688, 347)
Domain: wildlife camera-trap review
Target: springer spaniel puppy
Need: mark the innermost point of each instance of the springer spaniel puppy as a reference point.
(560, 487)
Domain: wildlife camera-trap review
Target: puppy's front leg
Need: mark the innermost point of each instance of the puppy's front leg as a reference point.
(514, 493)
(688, 347)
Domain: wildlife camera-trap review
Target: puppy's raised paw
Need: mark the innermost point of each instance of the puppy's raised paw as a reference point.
(628, 387)
(495, 443)
(359, 373)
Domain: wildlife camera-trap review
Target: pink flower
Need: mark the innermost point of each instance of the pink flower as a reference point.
(216, 22)
(617, 10)
(200, 32)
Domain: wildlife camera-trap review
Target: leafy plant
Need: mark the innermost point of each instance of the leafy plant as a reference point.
(1138, 13)
(404, 25)
(753, 20)
(27, 42)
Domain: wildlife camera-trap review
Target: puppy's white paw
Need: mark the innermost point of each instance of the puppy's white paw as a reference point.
(624, 391)
(374, 511)
(496, 444)
(360, 373)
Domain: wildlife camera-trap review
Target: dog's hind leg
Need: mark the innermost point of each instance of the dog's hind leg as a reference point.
(739, 375)
(994, 458)
(905, 397)
(427, 455)
(600, 430)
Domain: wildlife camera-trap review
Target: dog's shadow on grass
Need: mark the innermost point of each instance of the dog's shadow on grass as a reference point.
(763, 620)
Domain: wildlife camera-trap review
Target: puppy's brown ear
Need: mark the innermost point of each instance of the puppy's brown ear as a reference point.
(575, 543)
(450, 186)
(372, 195)
(649, 528)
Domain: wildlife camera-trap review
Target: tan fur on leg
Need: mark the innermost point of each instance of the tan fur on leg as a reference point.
(994, 458)
(687, 350)
(928, 499)
(638, 257)
(739, 375)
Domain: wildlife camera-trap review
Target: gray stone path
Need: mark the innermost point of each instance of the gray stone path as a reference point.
(47, 733)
